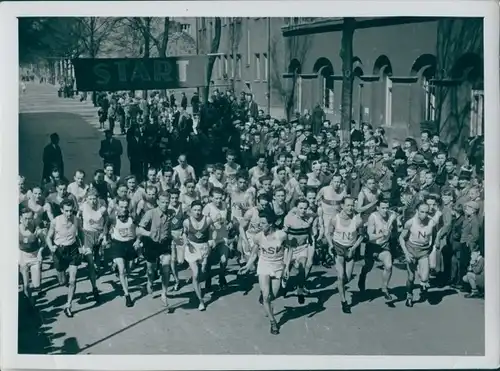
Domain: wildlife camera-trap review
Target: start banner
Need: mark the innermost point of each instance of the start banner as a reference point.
(113, 74)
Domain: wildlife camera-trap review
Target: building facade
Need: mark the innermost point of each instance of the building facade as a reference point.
(407, 71)
(249, 58)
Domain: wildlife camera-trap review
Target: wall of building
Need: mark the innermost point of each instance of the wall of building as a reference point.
(242, 63)
(394, 50)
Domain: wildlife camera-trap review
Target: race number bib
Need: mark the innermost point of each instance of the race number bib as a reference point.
(123, 232)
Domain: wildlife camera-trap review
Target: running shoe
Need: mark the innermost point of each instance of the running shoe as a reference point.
(274, 328)
(261, 299)
(68, 312)
(346, 308)
(97, 298)
(201, 307)
(409, 302)
(387, 296)
(300, 297)
(128, 301)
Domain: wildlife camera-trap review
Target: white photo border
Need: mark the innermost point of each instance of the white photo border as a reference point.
(9, 11)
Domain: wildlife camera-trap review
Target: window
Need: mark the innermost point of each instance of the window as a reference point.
(221, 66)
(238, 67)
(233, 67)
(266, 67)
(388, 100)
(298, 94)
(477, 113)
(186, 27)
(328, 95)
(248, 47)
(257, 66)
(430, 101)
(226, 65)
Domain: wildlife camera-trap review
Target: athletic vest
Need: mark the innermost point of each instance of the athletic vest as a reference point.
(297, 229)
(231, 172)
(177, 218)
(219, 218)
(254, 225)
(93, 220)
(202, 191)
(271, 247)
(240, 203)
(346, 235)
(64, 231)
(183, 173)
(380, 225)
(201, 235)
(28, 241)
(280, 213)
(123, 230)
(369, 198)
(331, 206)
(421, 235)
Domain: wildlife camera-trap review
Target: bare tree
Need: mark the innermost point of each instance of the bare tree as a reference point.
(346, 53)
(235, 34)
(455, 37)
(296, 47)
(214, 48)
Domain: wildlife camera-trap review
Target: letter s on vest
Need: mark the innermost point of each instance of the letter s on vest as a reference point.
(103, 74)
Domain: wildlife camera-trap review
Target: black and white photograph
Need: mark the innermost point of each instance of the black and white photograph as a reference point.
(235, 184)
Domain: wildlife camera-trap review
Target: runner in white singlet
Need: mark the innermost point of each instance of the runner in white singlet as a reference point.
(63, 239)
(344, 236)
(298, 228)
(183, 172)
(381, 224)
(270, 246)
(416, 241)
(329, 199)
(124, 244)
(217, 211)
(198, 240)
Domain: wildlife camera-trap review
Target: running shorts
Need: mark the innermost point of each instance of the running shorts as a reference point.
(28, 259)
(298, 253)
(341, 250)
(418, 252)
(268, 268)
(373, 249)
(64, 256)
(153, 250)
(196, 251)
(90, 242)
(122, 249)
(220, 250)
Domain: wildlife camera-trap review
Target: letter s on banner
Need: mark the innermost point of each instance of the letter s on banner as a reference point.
(103, 74)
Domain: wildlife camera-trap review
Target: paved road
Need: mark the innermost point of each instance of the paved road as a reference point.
(234, 322)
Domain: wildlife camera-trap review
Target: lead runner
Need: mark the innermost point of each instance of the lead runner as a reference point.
(270, 245)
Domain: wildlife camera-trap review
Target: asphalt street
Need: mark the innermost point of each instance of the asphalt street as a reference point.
(234, 322)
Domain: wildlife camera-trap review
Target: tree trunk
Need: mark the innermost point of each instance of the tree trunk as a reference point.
(93, 53)
(346, 53)
(147, 46)
(214, 48)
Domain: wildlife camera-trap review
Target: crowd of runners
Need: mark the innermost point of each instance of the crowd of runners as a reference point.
(277, 196)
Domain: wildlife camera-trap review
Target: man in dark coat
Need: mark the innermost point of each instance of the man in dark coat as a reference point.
(111, 151)
(317, 119)
(195, 103)
(135, 151)
(184, 101)
(52, 157)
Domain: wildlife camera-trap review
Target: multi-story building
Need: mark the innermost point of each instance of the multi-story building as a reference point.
(407, 71)
(249, 57)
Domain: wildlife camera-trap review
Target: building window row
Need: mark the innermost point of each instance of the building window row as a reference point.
(227, 66)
